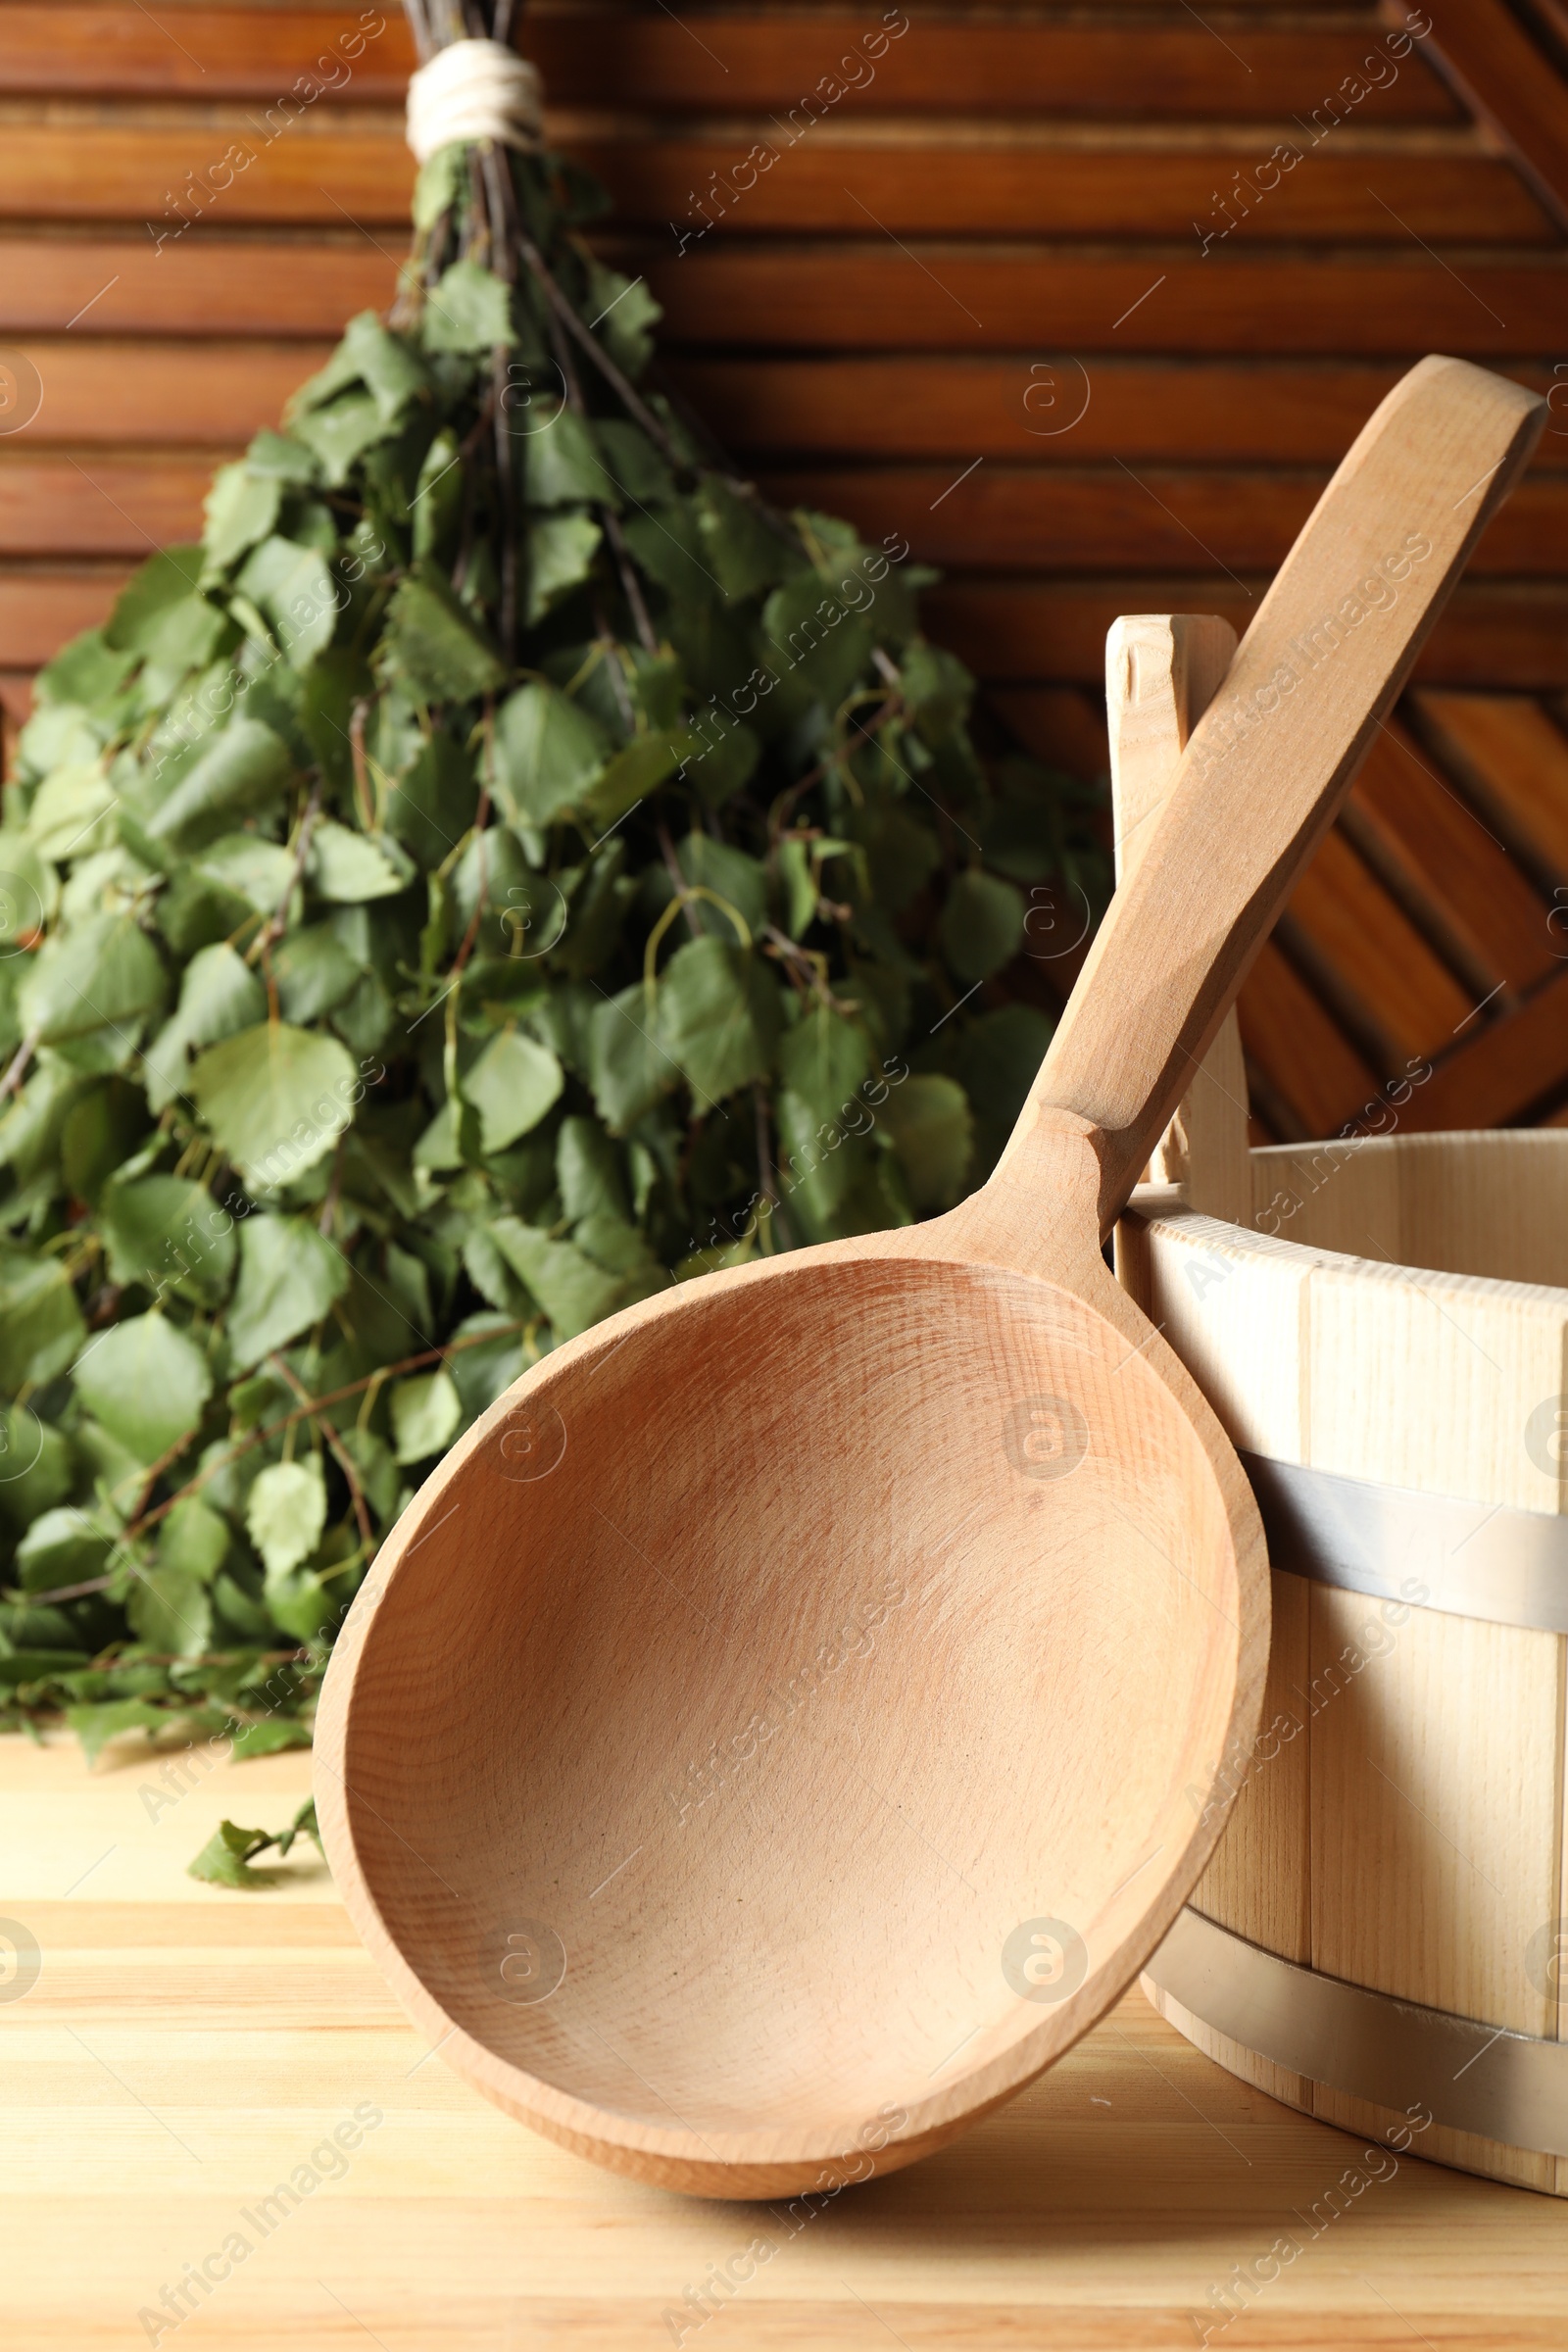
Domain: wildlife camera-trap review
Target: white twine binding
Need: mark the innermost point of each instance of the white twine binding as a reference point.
(475, 90)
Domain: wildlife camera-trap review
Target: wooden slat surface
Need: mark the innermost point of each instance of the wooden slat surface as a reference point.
(1064, 189)
(184, 2048)
(309, 175)
(1515, 759)
(1228, 412)
(1030, 186)
(1004, 516)
(1407, 996)
(864, 296)
(1019, 629)
(1055, 411)
(161, 394)
(1499, 1072)
(1119, 519)
(262, 286)
(1486, 53)
(876, 298)
(1406, 816)
(1309, 1062)
(1003, 63)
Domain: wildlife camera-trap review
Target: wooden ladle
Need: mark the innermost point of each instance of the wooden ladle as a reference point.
(788, 1719)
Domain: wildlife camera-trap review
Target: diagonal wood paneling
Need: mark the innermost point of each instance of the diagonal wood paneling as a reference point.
(971, 301)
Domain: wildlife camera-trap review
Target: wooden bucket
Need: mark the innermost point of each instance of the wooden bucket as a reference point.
(1380, 1323)
(1383, 1932)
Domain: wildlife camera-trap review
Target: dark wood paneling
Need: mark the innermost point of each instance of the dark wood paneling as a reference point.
(1495, 69)
(1054, 412)
(880, 297)
(1017, 630)
(204, 285)
(202, 53)
(871, 298)
(1108, 190)
(1305, 1058)
(1120, 521)
(1227, 412)
(1006, 63)
(1086, 522)
(1501, 1070)
(1387, 971)
(169, 395)
(40, 610)
(1406, 811)
(203, 174)
(99, 505)
(1515, 762)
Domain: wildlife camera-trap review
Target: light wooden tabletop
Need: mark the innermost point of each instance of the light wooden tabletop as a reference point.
(184, 2049)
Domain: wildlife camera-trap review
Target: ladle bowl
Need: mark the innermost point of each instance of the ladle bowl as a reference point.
(814, 1749)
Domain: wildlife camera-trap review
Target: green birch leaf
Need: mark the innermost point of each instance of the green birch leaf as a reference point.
(589, 1174)
(800, 886)
(62, 1547)
(351, 868)
(293, 588)
(433, 643)
(632, 463)
(341, 431)
(981, 927)
(225, 1861)
(426, 1414)
(562, 466)
(744, 552)
(276, 1099)
(170, 1612)
(145, 1382)
(96, 1726)
(257, 871)
(629, 1070)
(194, 1543)
(561, 553)
(632, 775)
(511, 1086)
(932, 1129)
(166, 1231)
(370, 354)
(824, 1059)
(290, 1275)
(573, 1291)
(740, 881)
(720, 1017)
(70, 812)
(29, 891)
(286, 1513)
(621, 311)
(40, 1323)
(267, 1738)
(468, 310)
(242, 768)
(219, 996)
(549, 751)
(437, 184)
(105, 973)
(314, 972)
(241, 508)
(160, 615)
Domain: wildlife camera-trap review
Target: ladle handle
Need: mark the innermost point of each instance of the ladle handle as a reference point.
(1267, 766)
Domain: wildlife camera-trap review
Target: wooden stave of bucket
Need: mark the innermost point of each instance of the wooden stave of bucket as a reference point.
(1407, 1835)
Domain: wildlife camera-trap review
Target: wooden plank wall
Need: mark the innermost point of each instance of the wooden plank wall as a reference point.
(1011, 280)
